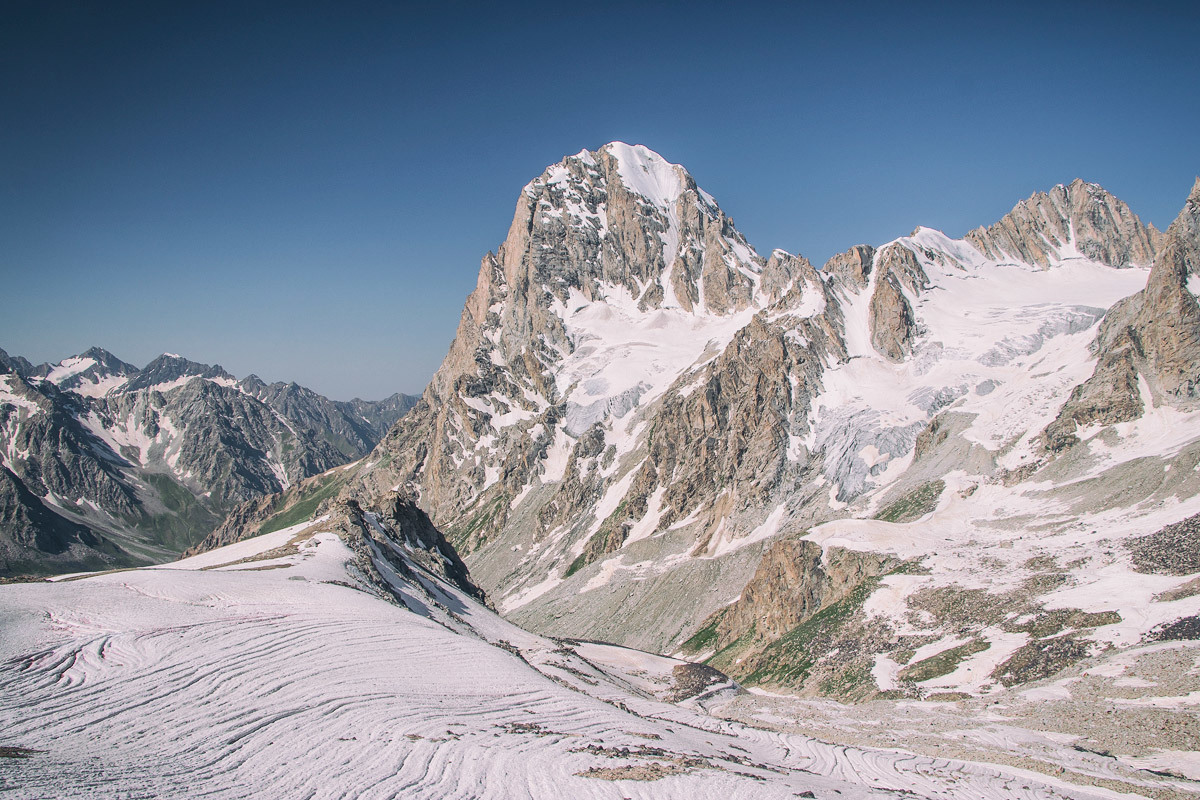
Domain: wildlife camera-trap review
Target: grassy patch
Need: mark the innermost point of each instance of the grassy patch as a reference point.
(470, 536)
(174, 496)
(915, 504)
(302, 509)
(942, 663)
(706, 637)
(189, 521)
(726, 657)
(579, 563)
(846, 681)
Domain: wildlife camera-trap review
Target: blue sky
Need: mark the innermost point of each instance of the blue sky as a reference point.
(304, 190)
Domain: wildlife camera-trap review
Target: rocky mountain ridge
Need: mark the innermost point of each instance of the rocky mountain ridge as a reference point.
(106, 464)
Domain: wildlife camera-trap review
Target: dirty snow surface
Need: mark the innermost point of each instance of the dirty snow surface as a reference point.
(278, 668)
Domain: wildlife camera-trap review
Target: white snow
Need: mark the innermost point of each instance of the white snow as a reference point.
(69, 367)
(726, 542)
(1181, 762)
(648, 524)
(292, 677)
(531, 593)
(624, 357)
(7, 396)
(120, 435)
(554, 465)
(647, 173)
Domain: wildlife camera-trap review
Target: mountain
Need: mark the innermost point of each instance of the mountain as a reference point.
(931, 468)
(353, 657)
(108, 465)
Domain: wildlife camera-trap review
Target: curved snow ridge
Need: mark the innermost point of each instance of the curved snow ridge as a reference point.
(647, 173)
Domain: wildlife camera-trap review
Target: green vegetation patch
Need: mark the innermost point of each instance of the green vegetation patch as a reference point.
(579, 563)
(706, 637)
(943, 663)
(726, 657)
(472, 534)
(302, 509)
(189, 521)
(846, 682)
(789, 658)
(915, 504)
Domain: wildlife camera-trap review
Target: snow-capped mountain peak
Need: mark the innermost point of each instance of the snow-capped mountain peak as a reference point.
(648, 174)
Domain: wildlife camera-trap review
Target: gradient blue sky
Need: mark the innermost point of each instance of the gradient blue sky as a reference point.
(304, 190)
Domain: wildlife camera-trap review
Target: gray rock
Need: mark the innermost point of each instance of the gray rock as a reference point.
(1044, 227)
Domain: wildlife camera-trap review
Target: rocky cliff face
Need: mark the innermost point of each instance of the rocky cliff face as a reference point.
(612, 242)
(1076, 221)
(108, 464)
(1150, 339)
(645, 432)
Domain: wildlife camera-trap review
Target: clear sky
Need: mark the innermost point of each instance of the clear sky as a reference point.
(304, 190)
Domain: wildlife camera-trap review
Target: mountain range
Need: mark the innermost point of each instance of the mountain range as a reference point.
(948, 489)
(105, 464)
(931, 467)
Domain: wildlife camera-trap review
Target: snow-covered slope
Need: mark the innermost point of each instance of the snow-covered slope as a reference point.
(310, 663)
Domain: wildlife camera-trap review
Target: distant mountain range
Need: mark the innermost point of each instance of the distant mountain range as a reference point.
(105, 464)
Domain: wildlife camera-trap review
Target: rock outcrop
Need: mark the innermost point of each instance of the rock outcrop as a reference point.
(853, 267)
(1154, 334)
(1078, 220)
(795, 579)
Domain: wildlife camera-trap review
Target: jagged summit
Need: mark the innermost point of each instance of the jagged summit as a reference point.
(1080, 220)
(624, 217)
(171, 370)
(636, 399)
(641, 170)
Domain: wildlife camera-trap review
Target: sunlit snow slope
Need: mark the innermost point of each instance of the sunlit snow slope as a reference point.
(302, 664)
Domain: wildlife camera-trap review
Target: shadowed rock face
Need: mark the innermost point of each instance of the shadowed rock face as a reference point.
(35, 536)
(1080, 218)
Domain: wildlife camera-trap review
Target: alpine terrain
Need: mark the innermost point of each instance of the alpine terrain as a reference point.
(940, 469)
(105, 464)
(353, 657)
(674, 518)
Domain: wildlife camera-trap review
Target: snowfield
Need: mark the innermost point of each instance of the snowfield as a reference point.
(277, 668)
